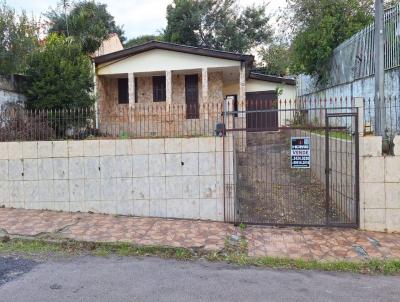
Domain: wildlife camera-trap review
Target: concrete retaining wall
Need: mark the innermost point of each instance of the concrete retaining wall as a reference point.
(379, 186)
(173, 178)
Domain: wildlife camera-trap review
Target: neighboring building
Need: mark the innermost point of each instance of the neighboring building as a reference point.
(10, 89)
(169, 74)
(111, 44)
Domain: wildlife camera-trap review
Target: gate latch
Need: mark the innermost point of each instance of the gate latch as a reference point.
(327, 171)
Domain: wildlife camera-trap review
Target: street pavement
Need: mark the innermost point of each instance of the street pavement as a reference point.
(152, 279)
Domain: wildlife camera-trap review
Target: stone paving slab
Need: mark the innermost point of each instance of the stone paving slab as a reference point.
(321, 243)
(296, 243)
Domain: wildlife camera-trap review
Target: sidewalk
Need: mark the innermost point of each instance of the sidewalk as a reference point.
(306, 243)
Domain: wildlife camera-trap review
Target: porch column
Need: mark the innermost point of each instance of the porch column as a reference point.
(204, 86)
(131, 88)
(242, 87)
(168, 86)
(241, 119)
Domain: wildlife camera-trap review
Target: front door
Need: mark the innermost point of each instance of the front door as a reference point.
(192, 96)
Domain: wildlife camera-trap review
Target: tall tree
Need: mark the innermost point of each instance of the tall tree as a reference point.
(18, 38)
(87, 21)
(218, 24)
(275, 59)
(391, 3)
(319, 26)
(142, 39)
(59, 75)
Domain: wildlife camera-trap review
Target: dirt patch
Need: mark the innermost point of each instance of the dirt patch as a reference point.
(270, 191)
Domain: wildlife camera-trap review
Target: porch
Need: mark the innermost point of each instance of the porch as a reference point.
(188, 102)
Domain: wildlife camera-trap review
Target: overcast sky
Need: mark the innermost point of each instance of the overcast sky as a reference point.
(138, 17)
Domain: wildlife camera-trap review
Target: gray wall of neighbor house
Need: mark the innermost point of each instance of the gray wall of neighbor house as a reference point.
(172, 177)
(9, 92)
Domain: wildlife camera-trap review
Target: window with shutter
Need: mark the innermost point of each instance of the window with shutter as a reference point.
(159, 89)
(123, 93)
(136, 91)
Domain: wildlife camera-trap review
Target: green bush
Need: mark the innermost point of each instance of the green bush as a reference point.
(59, 76)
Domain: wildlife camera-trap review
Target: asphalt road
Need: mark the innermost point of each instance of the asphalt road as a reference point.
(149, 279)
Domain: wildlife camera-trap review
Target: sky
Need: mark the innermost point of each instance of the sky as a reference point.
(138, 17)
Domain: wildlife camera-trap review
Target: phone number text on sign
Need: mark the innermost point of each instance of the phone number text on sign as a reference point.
(300, 153)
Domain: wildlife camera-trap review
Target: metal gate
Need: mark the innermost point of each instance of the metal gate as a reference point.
(304, 174)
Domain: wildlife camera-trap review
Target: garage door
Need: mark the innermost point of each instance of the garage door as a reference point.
(265, 114)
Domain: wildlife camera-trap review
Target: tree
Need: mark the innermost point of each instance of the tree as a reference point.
(275, 59)
(143, 39)
(319, 26)
(59, 75)
(88, 22)
(391, 3)
(217, 24)
(18, 38)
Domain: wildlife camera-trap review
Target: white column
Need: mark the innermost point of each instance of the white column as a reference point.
(168, 89)
(242, 88)
(131, 88)
(204, 86)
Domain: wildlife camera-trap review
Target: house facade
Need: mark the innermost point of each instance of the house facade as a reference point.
(166, 75)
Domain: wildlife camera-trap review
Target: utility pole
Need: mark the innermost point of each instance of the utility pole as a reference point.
(380, 109)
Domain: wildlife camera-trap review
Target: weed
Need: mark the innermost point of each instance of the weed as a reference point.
(233, 253)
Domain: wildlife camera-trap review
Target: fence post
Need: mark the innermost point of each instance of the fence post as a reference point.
(359, 103)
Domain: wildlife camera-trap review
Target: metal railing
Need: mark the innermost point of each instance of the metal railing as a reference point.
(179, 120)
(122, 121)
(354, 59)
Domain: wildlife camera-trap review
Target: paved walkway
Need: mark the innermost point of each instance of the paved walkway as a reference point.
(306, 243)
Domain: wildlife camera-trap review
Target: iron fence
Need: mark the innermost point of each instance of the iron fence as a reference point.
(180, 120)
(274, 185)
(138, 121)
(354, 59)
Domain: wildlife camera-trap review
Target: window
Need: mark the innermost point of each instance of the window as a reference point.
(159, 87)
(123, 94)
(136, 91)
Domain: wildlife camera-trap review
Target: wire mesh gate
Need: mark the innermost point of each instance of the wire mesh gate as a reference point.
(305, 173)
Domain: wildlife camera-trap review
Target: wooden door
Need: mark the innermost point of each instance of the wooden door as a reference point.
(192, 96)
(265, 117)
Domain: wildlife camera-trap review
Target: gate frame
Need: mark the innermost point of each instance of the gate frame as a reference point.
(354, 114)
(355, 134)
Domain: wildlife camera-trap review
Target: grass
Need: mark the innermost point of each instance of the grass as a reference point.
(232, 255)
(335, 134)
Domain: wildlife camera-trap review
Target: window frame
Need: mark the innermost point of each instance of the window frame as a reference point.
(123, 91)
(159, 89)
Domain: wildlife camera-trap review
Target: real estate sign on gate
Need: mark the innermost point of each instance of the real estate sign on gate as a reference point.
(300, 152)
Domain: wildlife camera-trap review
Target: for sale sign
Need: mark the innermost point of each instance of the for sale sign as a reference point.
(300, 152)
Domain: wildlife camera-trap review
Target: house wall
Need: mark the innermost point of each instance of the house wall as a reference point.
(173, 178)
(288, 91)
(158, 60)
